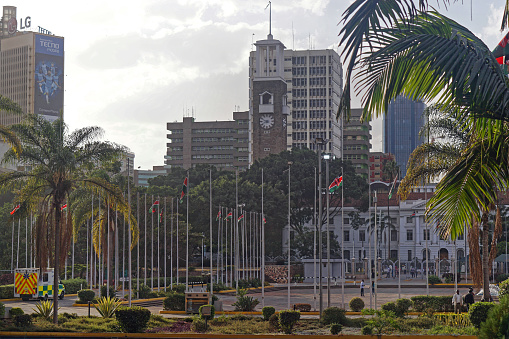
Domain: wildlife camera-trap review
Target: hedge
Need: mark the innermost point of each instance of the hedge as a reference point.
(72, 286)
(7, 291)
(478, 312)
(422, 303)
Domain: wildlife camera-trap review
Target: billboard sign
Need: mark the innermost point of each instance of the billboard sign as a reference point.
(49, 76)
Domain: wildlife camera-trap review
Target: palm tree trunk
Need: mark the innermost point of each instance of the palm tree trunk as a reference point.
(56, 207)
(485, 257)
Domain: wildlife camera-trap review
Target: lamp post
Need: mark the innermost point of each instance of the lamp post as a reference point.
(327, 157)
(319, 142)
(289, 232)
(129, 240)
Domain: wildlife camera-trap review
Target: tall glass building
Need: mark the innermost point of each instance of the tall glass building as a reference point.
(401, 128)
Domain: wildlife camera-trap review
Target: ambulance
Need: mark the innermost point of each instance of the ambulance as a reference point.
(33, 283)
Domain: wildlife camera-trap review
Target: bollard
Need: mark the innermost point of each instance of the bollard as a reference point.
(89, 309)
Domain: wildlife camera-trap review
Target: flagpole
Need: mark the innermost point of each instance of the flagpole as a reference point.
(226, 248)
(123, 255)
(165, 245)
(108, 254)
(263, 251)
(187, 233)
(210, 229)
(17, 248)
(236, 231)
(138, 247)
(92, 266)
(289, 233)
(342, 237)
(158, 244)
(171, 246)
(152, 246)
(314, 246)
(26, 246)
(12, 248)
(177, 242)
(129, 237)
(219, 248)
(145, 242)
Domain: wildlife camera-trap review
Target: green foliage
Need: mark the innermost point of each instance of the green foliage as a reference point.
(368, 311)
(86, 295)
(112, 291)
(399, 308)
(199, 325)
(106, 306)
(175, 302)
(420, 322)
(180, 288)
(144, 291)
(367, 330)
(15, 311)
(245, 303)
(267, 312)
(88, 325)
(288, 319)
(212, 312)
(23, 320)
(132, 319)
(478, 313)
(302, 307)
(383, 322)
(356, 304)
(44, 309)
(422, 303)
(274, 322)
(501, 277)
(496, 322)
(452, 319)
(72, 286)
(2, 310)
(433, 279)
(335, 329)
(333, 315)
(504, 288)
(7, 291)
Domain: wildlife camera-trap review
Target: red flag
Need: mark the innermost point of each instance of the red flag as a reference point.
(64, 207)
(15, 209)
(184, 190)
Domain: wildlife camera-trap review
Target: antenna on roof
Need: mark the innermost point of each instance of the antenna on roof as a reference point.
(293, 38)
(270, 17)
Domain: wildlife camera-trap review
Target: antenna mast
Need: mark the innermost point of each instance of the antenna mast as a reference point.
(270, 17)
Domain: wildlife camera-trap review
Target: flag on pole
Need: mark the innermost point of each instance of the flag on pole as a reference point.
(63, 208)
(228, 216)
(392, 187)
(240, 218)
(184, 190)
(154, 206)
(218, 215)
(161, 215)
(264, 220)
(501, 53)
(335, 184)
(413, 215)
(15, 209)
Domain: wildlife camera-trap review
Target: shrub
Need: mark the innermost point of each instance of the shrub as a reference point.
(461, 320)
(179, 288)
(420, 322)
(433, 279)
(175, 302)
(274, 322)
(23, 320)
(112, 291)
(199, 325)
(504, 287)
(384, 321)
(367, 330)
(86, 295)
(44, 309)
(106, 306)
(501, 277)
(437, 304)
(403, 305)
(144, 291)
(288, 319)
(7, 291)
(334, 315)
(7, 278)
(245, 303)
(132, 319)
(2, 310)
(335, 329)
(391, 306)
(356, 304)
(15, 311)
(478, 313)
(74, 285)
(267, 312)
(207, 317)
(302, 307)
(496, 324)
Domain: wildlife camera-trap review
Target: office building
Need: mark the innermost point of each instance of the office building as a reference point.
(401, 128)
(31, 69)
(377, 161)
(313, 83)
(356, 138)
(224, 144)
(141, 177)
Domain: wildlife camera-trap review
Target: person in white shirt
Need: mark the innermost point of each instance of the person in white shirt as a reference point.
(362, 288)
(457, 301)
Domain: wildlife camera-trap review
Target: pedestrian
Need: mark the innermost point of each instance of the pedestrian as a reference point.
(469, 298)
(362, 288)
(457, 301)
(373, 287)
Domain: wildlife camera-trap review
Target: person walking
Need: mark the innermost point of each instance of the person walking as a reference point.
(457, 301)
(373, 287)
(362, 288)
(469, 298)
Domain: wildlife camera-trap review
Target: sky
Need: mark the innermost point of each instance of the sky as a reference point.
(131, 67)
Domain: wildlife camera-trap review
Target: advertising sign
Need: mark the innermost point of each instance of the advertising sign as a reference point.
(49, 76)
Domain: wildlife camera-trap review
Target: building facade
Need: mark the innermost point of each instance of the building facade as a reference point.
(224, 144)
(401, 128)
(376, 165)
(141, 177)
(356, 139)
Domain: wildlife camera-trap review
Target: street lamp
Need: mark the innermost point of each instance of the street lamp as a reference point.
(327, 157)
(319, 142)
(289, 232)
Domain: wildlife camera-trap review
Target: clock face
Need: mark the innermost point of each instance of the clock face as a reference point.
(266, 121)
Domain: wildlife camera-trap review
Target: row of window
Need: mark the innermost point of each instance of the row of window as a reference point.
(212, 156)
(312, 103)
(211, 139)
(212, 148)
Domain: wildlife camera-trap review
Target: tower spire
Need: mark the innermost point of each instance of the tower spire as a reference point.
(269, 5)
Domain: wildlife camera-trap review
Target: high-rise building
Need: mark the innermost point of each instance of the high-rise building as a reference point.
(313, 86)
(401, 128)
(31, 70)
(356, 139)
(377, 161)
(224, 144)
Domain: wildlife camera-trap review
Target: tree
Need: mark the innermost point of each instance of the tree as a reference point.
(57, 161)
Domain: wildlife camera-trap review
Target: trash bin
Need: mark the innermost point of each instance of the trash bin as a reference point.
(194, 300)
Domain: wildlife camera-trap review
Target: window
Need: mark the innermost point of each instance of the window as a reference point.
(394, 235)
(347, 254)
(346, 235)
(331, 221)
(362, 235)
(461, 236)
(410, 220)
(409, 255)
(346, 221)
(409, 235)
(394, 254)
(425, 234)
(45, 277)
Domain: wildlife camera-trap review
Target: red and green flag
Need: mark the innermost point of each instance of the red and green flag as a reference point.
(501, 53)
(335, 184)
(392, 187)
(154, 206)
(15, 209)
(63, 208)
(184, 190)
(240, 218)
(264, 220)
(218, 215)
(161, 215)
(229, 216)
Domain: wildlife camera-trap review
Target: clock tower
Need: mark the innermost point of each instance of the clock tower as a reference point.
(269, 110)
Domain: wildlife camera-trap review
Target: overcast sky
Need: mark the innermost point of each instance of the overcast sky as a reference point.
(132, 66)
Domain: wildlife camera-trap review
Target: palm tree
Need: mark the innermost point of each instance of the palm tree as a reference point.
(57, 159)
(427, 56)
(6, 135)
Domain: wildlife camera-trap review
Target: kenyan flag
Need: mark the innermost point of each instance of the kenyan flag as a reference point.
(501, 53)
(184, 190)
(335, 184)
(155, 205)
(63, 208)
(392, 187)
(264, 220)
(240, 218)
(161, 215)
(218, 215)
(229, 216)
(15, 209)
